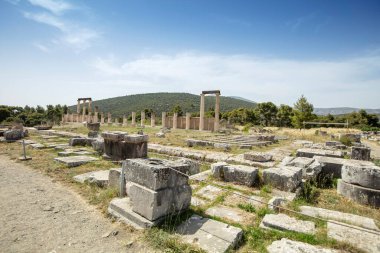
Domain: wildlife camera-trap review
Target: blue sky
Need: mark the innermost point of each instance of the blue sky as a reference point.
(56, 51)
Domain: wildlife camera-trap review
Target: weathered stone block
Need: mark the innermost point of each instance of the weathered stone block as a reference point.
(155, 204)
(287, 223)
(366, 240)
(93, 127)
(284, 178)
(194, 167)
(210, 235)
(331, 165)
(120, 145)
(235, 173)
(288, 246)
(362, 195)
(367, 176)
(258, 156)
(156, 174)
(361, 153)
(310, 152)
(114, 178)
(14, 134)
(210, 192)
(78, 141)
(73, 161)
(98, 145)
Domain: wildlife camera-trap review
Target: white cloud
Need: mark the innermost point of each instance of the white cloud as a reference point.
(328, 83)
(47, 19)
(55, 6)
(41, 47)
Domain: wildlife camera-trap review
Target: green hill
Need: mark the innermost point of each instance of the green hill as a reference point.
(163, 102)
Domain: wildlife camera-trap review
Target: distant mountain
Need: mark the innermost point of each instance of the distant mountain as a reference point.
(164, 102)
(342, 110)
(244, 99)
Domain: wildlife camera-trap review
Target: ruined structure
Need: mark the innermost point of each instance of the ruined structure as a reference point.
(202, 109)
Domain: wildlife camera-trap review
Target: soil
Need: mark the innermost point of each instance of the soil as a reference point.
(40, 215)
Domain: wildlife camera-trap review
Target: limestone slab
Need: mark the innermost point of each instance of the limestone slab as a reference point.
(366, 240)
(310, 152)
(200, 177)
(232, 214)
(339, 216)
(197, 201)
(114, 177)
(258, 156)
(99, 178)
(242, 174)
(209, 192)
(38, 146)
(362, 195)
(363, 175)
(73, 161)
(210, 235)
(288, 246)
(287, 223)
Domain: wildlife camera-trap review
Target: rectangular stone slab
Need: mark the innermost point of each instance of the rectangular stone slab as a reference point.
(73, 161)
(285, 245)
(233, 214)
(366, 240)
(210, 235)
(310, 152)
(339, 216)
(287, 223)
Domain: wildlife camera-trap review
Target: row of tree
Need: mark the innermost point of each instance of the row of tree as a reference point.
(31, 116)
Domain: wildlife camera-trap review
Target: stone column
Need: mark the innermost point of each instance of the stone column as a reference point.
(102, 118)
(202, 113)
(84, 114)
(96, 117)
(116, 120)
(125, 120)
(188, 116)
(163, 119)
(133, 118)
(152, 120)
(217, 110)
(89, 106)
(78, 106)
(175, 117)
(109, 120)
(142, 119)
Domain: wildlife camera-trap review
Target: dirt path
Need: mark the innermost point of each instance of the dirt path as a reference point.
(38, 215)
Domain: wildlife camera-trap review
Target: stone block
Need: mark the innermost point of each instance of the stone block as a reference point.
(301, 162)
(367, 176)
(121, 208)
(156, 174)
(310, 152)
(284, 178)
(276, 202)
(363, 239)
(95, 127)
(73, 161)
(197, 201)
(353, 219)
(361, 153)
(119, 145)
(160, 135)
(332, 143)
(239, 198)
(114, 178)
(236, 173)
(200, 177)
(331, 165)
(210, 235)
(14, 134)
(288, 246)
(100, 178)
(98, 145)
(258, 156)
(194, 167)
(155, 204)
(362, 195)
(78, 141)
(287, 223)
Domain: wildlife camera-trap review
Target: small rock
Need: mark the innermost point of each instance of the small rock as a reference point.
(48, 208)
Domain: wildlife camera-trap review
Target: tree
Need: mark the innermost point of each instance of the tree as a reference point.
(284, 116)
(303, 111)
(177, 109)
(267, 113)
(4, 113)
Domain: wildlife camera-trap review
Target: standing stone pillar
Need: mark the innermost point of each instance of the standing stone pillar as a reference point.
(102, 118)
(125, 120)
(78, 106)
(202, 113)
(188, 116)
(133, 119)
(109, 120)
(89, 106)
(217, 110)
(163, 119)
(142, 119)
(175, 117)
(84, 114)
(152, 120)
(96, 117)
(116, 120)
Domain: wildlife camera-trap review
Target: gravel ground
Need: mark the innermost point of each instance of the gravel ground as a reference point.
(40, 215)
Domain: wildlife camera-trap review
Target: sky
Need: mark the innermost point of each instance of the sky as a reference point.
(55, 51)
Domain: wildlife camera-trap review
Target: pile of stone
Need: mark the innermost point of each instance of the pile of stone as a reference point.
(361, 183)
(241, 174)
(121, 145)
(156, 188)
